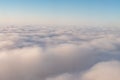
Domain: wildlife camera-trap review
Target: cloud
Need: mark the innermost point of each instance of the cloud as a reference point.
(19, 64)
(54, 53)
(103, 71)
(65, 76)
(36, 63)
(7, 40)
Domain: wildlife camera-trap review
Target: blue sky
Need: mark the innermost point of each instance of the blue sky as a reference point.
(76, 12)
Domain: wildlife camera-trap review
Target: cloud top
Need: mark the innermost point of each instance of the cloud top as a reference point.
(54, 53)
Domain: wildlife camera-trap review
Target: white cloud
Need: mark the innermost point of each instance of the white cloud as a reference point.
(53, 53)
(64, 77)
(36, 63)
(103, 71)
(7, 40)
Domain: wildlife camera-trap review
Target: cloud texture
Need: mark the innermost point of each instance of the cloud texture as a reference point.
(54, 53)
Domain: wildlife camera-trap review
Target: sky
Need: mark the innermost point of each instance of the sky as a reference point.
(65, 12)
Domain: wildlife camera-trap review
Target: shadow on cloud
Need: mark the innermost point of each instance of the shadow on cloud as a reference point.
(54, 53)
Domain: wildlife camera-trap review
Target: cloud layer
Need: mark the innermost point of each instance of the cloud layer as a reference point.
(103, 71)
(59, 53)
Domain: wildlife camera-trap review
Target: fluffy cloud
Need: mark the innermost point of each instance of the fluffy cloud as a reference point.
(19, 64)
(64, 77)
(103, 71)
(7, 40)
(36, 63)
(54, 53)
(109, 70)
